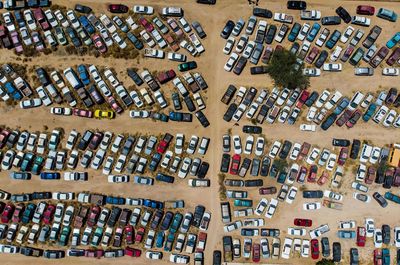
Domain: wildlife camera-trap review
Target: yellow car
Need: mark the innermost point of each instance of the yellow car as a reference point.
(104, 114)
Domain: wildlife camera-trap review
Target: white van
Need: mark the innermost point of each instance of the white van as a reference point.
(356, 100)
(72, 78)
(365, 153)
(172, 11)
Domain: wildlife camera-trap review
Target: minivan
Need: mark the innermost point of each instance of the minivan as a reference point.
(172, 12)
(365, 153)
(72, 78)
(356, 100)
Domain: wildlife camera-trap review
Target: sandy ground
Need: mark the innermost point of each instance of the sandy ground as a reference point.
(211, 66)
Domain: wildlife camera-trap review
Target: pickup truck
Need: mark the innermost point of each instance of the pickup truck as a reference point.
(228, 95)
(81, 217)
(97, 199)
(227, 245)
(200, 81)
(180, 116)
(194, 87)
(270, 232)
(166, 76)
(310, 14)
(240, 95)
(175, 204)
(148, 78)
(282, 17)
(153, 53)
(23, 86)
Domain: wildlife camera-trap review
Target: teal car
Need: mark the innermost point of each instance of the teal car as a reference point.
(385, 256)
(243, 203)
(294, 32)
(183, 67)
(346, 234)
(160, 239)
(393, 41)
(370, 111)
(282, 175)
(64, 237)
(37, 165)
(169, 242)
(175, 223)
(387, 14)
(28, 213)
(333, 39)
(392, 197)
(313, 32)
(97, 237)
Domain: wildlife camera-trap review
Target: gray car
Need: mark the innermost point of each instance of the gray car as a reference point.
(255, 56)
(364, 71)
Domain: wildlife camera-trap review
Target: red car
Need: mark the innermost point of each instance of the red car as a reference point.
(314, 249)
(267, 190)
(139, 235)
(133, 252)
(396, 178)
(129, 234)
(301, 177)
(166, 76)
(164, 143)
(235, 164)
(371, 174)
(114, 104)
(174, 26)
(146, 24)
(19, 209)
(16, 42)
(343, 155)
(393, 57)
(201, 244)
(94, 253)
(3, 137)
(361, 236)
(379, 56)
(323, 178)
(365, 10)
(302, 99)
(311, 56)
(48, 214)
(312, 176)
(7, 213)
(302, 222)
(93, 216)
(98, 42)
(40, 17)
(5, 39)
(344, 118)
(83, 113)
(256, 253)
(118, 8)
(377, 256)
(354, 118)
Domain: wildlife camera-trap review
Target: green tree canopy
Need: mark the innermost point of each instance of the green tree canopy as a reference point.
(325, 262)
(287, 70)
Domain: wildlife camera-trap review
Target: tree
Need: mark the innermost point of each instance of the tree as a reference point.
(280, 164)
(325, 262)
(286, 71)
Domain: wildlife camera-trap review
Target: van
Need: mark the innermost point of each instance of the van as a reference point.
(273, 114)
(225, 212)
(72, 78)
(172, 12)
(365, 153)
(356, 100)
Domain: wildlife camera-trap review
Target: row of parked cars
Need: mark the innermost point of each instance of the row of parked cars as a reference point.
(253, 50)
(80, 27)
(41, 155)
(325, 108)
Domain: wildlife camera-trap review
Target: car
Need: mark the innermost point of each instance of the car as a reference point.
(331, 20)
(226, 31)
(390, 71)
(344, 14)
(146, 10)
(387, 14)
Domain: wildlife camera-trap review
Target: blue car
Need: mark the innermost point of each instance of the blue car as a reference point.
(20, 175)
(155, 160)
(333, 39)
(49, 175)
(115, 200)
(387, 14)
(160, 239)
(83, 74)
(370, 111)
(294, 32)
(385, 256)
(86, 24)
(313, 32)
(135, 40)
(393, 41)
(344, 102)
(12, 91)
(175, 116)
(153, 204)
(346, 234)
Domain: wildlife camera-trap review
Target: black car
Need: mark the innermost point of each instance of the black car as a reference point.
(227, 29)
(269, 36)
(386, 234)
(207, 2)
(216, 254)
(337, 252)
(355, 149)
(227, 244)
(31, 252)
(203, 169)
(73, 36)
(135, 77)
(240, 65)
(326, 251)
(158, 215)
(198, 214)
(343, 14)
(380, 175)
(248, 231)
(176, 101)
(297, 5)
(321, 59)
(83, 9)
(85, 140)
(328, 121)
(283, 153)
(225, 161)
(388, 182)
(354, 257)
(252, 129)
(128, 145)
(273, 171)
(229, 112)
(43, 77)
(135, 41)
(43, 195)
(391, 97)
(313, 194)
(265, 164)
(311, 99)
(262, 12)
(189, 103)
(340, 142)
(253, 183)
(202, 119)
(257, 70)
(115, 213)
(332, 20)
(380, 199)
(262, 113)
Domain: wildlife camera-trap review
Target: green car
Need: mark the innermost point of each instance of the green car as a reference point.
(28, 213)
(187, 66)
(37, 165)
(357, 56)
(64, 238)
(169, 242)
(243, 203)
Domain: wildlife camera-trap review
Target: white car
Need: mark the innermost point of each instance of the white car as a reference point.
(232, 226)
(249, 145)
(311, 206)
(312, 72)
(183, 171)
(347, 34)
(252, 110)
(291, 195)
(312, 113)
(271, 208)
(304, 31)
(184, 24)
(390, 71)
(61, 111)
(375, 154)
(231, 62)
(259, 146)
(30, 20)
(362, 21)
(308, 127)
(178, 57)
(237, 145)
(336, 53)
(287, 247)
(332, 67)
(156, 255)
(333, 100)
(274, 149)
(369, 227)
(146, 10)
(322, 98)
(296, 231)
(242, 43)
(380, 114)
(331, 162)
(295, 151)
(73, 19)
(378, 238)
(30, 103)
(397, 236)
(229, 45)
(261, 206)
(248, 49)
(313, 156)
(347, 224)
(305, 248)
(333, 195)
(389, 119)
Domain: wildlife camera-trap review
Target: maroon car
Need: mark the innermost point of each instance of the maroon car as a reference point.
(344, 153)
(19, 209)
(83, 113)
(166, 76)
(314, 249)
(3, 137)
(302, 222)
(235, 164)
(41, 18)
(94, 253)
(256, 253)
(379, 56)
(129, 234)
(48, 214)
(5, 39)
(7, 213)
(118, 8)
(93, 216)
(323, 178)
(393, 57)
(301, 177)
(16, 42)
(95, 141)
(344, 118)
(114, 104)
(396, 179)
(267, 54)
(133, 252)
(371, 174)
(98, 42)
(354, 118)
(365, 10)
(146, 24)
(312, 175)
(302, 99)
(312, 55)
(267, 190)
